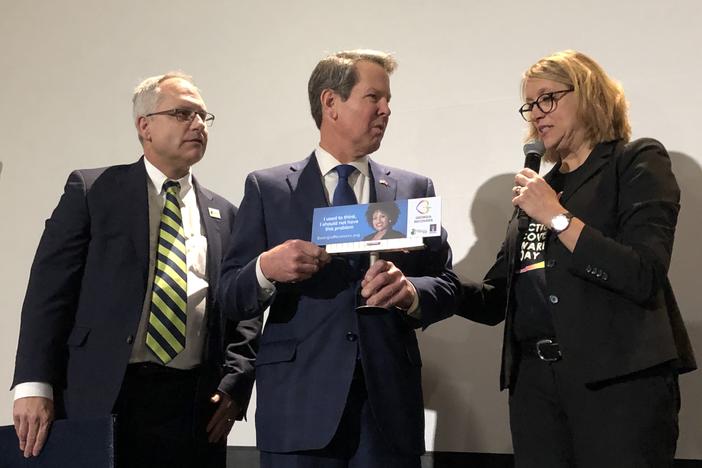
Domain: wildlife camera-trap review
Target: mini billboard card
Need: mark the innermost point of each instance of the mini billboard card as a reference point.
(377, 227)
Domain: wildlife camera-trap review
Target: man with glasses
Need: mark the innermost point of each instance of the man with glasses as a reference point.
(120, 316)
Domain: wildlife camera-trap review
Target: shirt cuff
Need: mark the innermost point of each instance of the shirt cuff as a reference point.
(34, 389)
(266, 288)
(414, 310)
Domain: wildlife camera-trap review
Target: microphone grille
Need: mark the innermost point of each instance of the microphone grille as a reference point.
(534, 147)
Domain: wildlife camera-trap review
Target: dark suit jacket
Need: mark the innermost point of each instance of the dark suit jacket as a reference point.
(87, 288)
(612, 305)
(310, 343)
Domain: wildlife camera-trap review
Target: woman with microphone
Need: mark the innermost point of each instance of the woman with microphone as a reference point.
(594, 340)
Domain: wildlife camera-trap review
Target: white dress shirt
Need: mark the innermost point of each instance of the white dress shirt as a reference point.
(196, 259)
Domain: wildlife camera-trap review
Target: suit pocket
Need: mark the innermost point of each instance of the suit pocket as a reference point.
(275, 352)
(78, 336)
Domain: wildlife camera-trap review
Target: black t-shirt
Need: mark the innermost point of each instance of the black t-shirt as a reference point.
(532, 318)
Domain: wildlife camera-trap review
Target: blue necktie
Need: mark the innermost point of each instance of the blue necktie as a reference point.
(343, 195)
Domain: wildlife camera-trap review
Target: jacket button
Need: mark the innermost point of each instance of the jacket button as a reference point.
(351, 336)
(553, 299)
(130, 339)
(550, 263)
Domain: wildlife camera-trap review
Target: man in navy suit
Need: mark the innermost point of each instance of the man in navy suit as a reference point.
(113, 323)
(336, 388)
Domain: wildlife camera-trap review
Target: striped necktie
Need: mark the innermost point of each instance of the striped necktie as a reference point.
(165, 332)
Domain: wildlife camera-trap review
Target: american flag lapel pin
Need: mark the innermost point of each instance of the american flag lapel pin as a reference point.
(214, 213)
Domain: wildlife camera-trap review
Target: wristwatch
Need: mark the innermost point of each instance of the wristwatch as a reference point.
(560, 223)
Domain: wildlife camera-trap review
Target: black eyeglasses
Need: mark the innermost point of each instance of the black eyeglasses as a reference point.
(186, 115)
(546, 103)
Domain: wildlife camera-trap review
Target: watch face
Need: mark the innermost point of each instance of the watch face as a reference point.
(560, 222)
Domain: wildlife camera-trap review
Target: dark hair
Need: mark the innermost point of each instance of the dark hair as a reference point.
(338, 73)
(389, 208)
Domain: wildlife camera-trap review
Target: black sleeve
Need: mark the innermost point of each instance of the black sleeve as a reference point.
(54, 287)
(637, 258)
(486, 302)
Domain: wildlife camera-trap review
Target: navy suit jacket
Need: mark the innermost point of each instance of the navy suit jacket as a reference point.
(313, 335)
(87, 288)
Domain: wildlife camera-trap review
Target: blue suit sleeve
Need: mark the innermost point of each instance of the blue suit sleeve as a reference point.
(238, 286)
(437, 285)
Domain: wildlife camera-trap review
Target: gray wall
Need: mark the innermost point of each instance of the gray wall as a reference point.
(68, 68)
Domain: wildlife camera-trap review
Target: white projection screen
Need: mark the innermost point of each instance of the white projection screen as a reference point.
(69, 67)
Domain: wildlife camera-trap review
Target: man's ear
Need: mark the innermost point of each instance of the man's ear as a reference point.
(142, 125)
(329, 101)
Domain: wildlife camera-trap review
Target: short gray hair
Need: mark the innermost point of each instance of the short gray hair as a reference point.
(338, 73)
(148, 92)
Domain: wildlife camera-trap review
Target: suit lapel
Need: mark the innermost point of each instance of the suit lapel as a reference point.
(383, 185)
(306, 189)
(599, 156)
(136, 199)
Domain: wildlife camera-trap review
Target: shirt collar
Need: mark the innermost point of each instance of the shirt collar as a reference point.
(157, 178)
(327, 162)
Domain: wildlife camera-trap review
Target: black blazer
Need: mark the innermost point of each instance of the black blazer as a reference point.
(613, 309)
(313, 335)
(87, 288)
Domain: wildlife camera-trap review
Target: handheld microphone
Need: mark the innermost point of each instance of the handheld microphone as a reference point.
(533, 152)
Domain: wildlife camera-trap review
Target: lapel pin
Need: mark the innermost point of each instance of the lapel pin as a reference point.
(384, 182)
(214, 212)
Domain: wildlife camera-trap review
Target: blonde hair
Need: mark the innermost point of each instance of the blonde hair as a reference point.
(602, 107)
